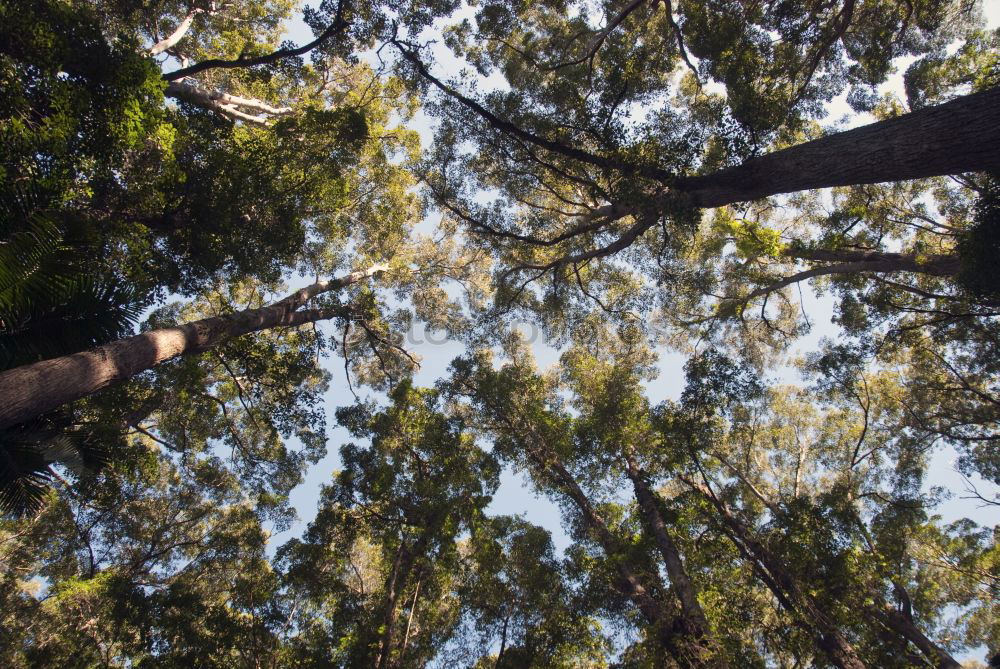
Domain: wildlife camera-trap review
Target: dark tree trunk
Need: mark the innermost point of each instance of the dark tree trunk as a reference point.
(829, 639)
(906, 629)
(958, 136)
(935, 265)
(686, 592)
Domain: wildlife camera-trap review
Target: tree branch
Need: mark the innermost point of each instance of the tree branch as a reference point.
(338, 26)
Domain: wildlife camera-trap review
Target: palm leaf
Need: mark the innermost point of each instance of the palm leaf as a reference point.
(28, 452)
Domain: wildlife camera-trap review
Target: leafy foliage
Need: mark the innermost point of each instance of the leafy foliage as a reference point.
(185, 161)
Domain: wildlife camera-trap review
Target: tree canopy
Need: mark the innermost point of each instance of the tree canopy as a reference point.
(217, 216)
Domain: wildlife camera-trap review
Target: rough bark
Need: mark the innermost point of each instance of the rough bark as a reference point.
(31, 390)
(935, 265)
(674, 639)
(686, 592)
(856, 262)
(394, 585)
(650, 608)
(958, 136)
(692, 626)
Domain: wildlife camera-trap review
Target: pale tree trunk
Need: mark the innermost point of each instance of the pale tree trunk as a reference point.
(958, 136)
(31, 390)
(409, 618)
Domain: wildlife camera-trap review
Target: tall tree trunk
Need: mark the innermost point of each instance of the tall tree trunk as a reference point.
(31, 390)
(905, 628)
(693, 625)
(828, 638)
(173, 38)
(678, 644)
(686, 592)
(393, 586)
(396, 583)
(958, 136)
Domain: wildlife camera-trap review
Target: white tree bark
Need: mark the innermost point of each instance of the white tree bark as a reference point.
(176, 36)
(232, 106)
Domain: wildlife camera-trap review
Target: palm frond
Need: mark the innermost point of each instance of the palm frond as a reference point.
(28, 453)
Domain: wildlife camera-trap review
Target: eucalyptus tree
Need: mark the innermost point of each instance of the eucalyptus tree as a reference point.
(144, 197)
(788, 531)
(518, 600)
(377, 570)
(599, 155)
(158, 559)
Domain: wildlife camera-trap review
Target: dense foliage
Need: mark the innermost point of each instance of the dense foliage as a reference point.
(637, 179)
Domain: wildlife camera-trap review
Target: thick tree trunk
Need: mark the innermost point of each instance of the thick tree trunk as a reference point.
(859, 262)
(651, 609)
(31, 390)
(675, 640)
(395, 583)
(958, 136)
(872, 261)
(692, 627)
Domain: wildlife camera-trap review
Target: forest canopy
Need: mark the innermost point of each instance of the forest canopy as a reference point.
(222, 222)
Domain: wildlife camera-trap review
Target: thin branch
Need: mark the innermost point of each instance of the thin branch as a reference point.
(508, 128)
(598, 40)
(339, 25)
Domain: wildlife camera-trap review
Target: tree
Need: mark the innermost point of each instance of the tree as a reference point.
(810, 496)
(182, 149)
(400, 506)
(579, 184)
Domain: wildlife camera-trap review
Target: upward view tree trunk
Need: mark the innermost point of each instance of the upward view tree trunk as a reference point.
(784, 586)
(958, 136)
(31, 390)
(678, 645)
(686, 592)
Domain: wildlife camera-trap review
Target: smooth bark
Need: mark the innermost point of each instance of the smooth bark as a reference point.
(31, 390)
(176, 36)
(233, 106)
